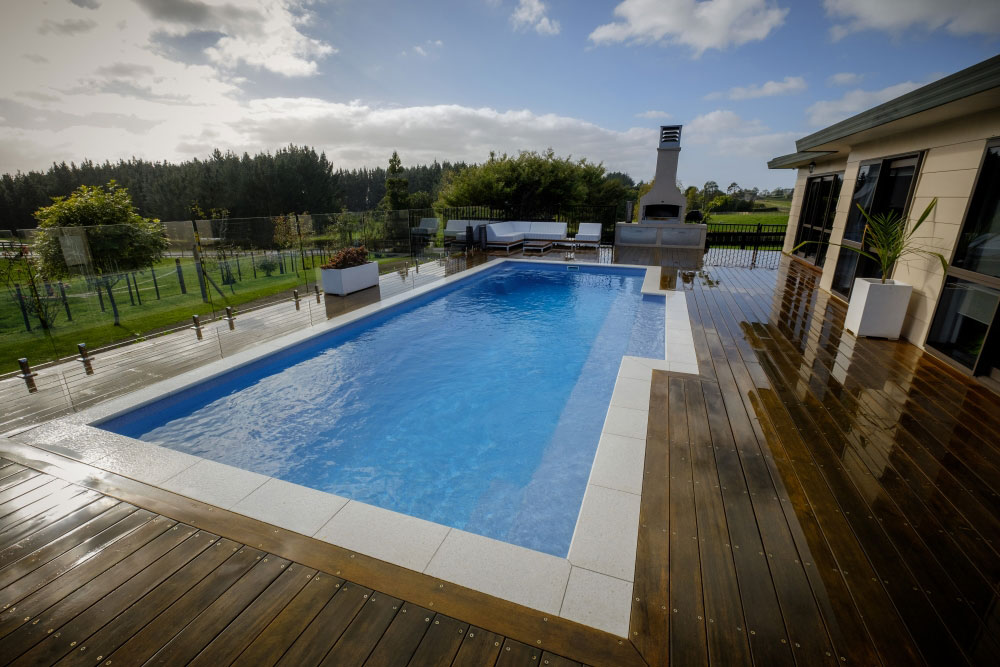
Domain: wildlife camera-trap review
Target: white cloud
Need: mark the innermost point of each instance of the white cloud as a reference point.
(419, 50)
(790, 84)
(959, 17)
(653, 115)
(701, 25)
(827, 112)
(533, 14)
(844, 79)
(261, 33)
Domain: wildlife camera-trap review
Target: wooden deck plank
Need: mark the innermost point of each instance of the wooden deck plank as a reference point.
(140, 646)
(319, 636)
(516, 654)
(69, 623)
(401, 638)
(727, 645)
(243, 629)
(203, 628)
(480, 647)
(134, 618)
(688, 642)
(268, 647)
(441, 642)
(81, 574)
(22, 539)
(364, 632)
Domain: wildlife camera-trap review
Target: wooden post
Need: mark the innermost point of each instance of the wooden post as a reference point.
(156, 286)
(84, 358)
(27, 375)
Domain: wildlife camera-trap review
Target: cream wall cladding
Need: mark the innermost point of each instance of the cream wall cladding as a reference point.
(952, 152)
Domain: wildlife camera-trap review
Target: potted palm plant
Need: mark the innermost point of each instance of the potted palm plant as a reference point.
(349, 271)
(878, 305)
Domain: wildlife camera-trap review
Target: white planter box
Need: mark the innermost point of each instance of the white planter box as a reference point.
(877, 310)
(345, 281)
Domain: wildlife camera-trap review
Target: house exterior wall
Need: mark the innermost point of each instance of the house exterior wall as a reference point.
(952, 153)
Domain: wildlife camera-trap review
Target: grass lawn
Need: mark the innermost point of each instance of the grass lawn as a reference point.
(95, 327)
(768, 218)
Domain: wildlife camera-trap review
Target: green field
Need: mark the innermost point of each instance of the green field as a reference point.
(752, 218)
(95, 327)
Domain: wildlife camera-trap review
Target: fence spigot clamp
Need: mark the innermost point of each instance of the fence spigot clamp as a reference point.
(85, 358)
(316, 289)
(197, 326)
(229, 318)
(27, 375)
(295, 295)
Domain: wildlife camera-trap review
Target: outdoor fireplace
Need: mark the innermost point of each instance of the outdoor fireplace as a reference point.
(665, 202)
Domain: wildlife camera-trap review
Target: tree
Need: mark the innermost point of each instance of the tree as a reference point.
(692, 199)
(397, 187)
(531, 184)
(421, 199)
(116, 238)
(733, 188)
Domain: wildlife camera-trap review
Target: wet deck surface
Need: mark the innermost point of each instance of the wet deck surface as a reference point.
(824, 499)
(809, 498)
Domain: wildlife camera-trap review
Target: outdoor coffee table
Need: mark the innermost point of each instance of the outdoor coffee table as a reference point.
(541, 247)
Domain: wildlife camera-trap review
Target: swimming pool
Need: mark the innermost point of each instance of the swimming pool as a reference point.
(478, 406)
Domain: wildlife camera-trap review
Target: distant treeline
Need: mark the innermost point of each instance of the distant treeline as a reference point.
(292, 179)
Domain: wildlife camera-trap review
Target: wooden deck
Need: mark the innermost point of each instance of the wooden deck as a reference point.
(809, 499)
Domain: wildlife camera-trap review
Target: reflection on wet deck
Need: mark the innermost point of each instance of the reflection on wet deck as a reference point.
(825, 499)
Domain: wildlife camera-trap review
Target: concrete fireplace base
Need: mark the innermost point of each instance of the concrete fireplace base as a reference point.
(661, 235)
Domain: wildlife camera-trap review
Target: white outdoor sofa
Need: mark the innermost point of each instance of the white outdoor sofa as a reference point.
(454, 231)
(589, 233)
(511, 234)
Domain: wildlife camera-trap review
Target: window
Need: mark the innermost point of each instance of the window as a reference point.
(816, 217)
(965, 327)
(881, 186)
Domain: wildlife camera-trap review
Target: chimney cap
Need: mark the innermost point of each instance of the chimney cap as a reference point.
(670, 136)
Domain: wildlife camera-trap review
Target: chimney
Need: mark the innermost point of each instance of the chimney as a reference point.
(665, 203)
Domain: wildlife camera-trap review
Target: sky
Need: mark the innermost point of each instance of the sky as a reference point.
(456, 79)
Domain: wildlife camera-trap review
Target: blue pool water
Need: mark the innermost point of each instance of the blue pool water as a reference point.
(477, 406)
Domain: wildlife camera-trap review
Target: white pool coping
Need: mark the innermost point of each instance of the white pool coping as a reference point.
(592, 585)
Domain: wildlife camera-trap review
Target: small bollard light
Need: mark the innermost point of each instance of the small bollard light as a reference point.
(197, 326)
(229, 318)
(295, 295)
(85, 358)
(27, 375)
(316, 289)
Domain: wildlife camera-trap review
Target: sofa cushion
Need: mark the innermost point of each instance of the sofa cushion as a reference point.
(520, 226)
(549, 231)
(587, 238)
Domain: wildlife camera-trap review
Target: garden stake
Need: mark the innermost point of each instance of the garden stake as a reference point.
(180, 276)
(136, 283)
(152, 270)
(27, 375)
(24, 309)
(62, 293)
(84, 359)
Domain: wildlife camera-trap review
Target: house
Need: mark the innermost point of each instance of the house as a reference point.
(943, 141)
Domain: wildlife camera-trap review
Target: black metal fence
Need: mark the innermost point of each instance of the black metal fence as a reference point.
(745, 236)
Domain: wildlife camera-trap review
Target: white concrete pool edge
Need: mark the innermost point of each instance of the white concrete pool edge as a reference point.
(593, 585)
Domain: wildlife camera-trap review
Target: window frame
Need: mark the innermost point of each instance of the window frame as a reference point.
(967, 275)
(831, 206)
(884, 162)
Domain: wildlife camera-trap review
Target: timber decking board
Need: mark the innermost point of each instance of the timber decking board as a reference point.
(808, 498)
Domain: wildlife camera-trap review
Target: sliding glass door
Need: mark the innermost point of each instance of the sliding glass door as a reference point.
(819, 207)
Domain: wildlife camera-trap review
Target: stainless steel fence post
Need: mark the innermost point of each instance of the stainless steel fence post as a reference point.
(27, 375)
(316, 288)
(197, 326)
(229, 318)
(84, 358)
(295, 295)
